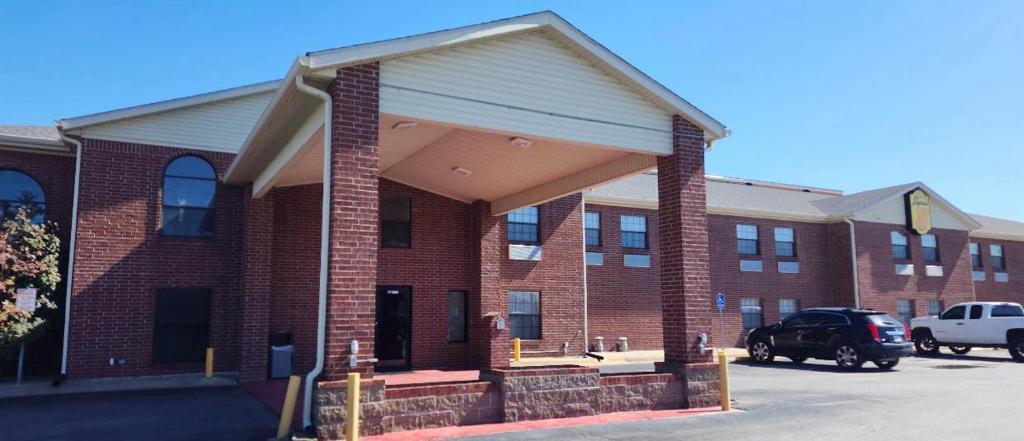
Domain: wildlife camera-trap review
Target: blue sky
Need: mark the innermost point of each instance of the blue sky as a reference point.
(851, 95)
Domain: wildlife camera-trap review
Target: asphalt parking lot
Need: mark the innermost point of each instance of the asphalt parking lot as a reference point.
(949, 397)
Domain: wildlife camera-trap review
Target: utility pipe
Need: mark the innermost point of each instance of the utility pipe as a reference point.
(325, 241)
(853, 259)
(586, 294)
(71, 252)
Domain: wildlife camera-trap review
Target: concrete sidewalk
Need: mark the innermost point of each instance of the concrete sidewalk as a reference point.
(615, 358)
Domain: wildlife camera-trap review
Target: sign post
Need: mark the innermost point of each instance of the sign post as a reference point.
(720, 304)
(24, 302)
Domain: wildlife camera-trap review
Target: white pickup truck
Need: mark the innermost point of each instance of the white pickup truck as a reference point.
(973, 324)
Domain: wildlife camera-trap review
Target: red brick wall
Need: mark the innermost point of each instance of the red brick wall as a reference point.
(121, 260)
(256, 273)
(880, 286)
(811, 287)
(56, 175)
(624, 301)
(991, 291)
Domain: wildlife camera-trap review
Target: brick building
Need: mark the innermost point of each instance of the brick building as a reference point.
(435, 196)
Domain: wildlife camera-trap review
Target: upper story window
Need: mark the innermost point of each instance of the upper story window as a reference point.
(900, 250)
(18, 190)
(395, 222)
(634, 231)
(975, 255)
(592, 228)
(784, 242)
(929, 248)
(996, 254)
(746, 239)
(190, 185)
(523, 226)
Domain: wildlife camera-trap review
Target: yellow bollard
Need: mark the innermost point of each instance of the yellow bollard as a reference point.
(515, 349)
(289, 406)
(723, 379)
(209, 362)
(352, 419)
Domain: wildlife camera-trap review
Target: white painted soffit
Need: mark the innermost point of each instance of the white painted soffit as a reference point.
(965, 218)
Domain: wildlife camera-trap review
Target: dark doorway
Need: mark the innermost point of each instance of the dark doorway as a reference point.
(393, 343)
(182, 325)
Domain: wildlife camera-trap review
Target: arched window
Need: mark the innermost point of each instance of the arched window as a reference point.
(18, 190)
(189, 187)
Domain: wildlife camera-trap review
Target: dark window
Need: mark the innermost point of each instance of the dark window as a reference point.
(833, 320)
(797, 320)
(522, 226)
(785, 245)
(592, 228)
(182, 325)
(929, 248)
(975, 256)
(750, 310)
(457, 316)
(190, 185)
(18, 190)
(395, 223)
(976, 312)
(1007, 311)
(954, 313)
(524, 314)
(746, 240)
(998, 261)
(634, 231)
(900, 250)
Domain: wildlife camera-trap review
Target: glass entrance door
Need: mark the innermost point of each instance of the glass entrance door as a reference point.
(393, 342)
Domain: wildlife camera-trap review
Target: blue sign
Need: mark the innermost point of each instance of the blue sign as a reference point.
(720, 301)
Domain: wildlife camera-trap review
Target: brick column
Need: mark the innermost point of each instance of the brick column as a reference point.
(492, 345)
(352, 272)
(682, 225)
(257, 255)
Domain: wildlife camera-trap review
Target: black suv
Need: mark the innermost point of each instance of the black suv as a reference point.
(851, 337)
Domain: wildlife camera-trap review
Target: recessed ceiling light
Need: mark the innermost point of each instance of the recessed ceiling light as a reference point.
(519, 141)
(461, 171)
(405, 125)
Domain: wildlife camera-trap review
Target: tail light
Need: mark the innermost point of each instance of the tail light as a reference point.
(906, 331)
(873, 329)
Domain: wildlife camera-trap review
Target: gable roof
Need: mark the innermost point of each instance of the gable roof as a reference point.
(996, 228)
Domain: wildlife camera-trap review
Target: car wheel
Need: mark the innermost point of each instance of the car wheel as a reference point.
(797, 360)
(848, 357)
(886, 365)
(1017, 349)
(926, 345)
(762, 352)
(960, 350)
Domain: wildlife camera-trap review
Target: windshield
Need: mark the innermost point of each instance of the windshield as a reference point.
(882, 320)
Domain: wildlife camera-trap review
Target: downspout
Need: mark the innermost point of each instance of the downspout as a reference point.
(325, 217)
(71, 254)
(853, 257)
(586, 318)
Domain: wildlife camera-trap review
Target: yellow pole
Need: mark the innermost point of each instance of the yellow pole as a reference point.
(209, 362)
(515, 349)
(723, 379)
(289, 406)
(352, 420)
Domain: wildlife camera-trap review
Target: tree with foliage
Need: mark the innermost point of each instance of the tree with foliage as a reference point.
(28, 259)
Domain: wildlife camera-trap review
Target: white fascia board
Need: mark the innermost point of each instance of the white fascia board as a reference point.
(997, 236)
(335, 58)
(162, 106)
(28, 144)
(287, 156)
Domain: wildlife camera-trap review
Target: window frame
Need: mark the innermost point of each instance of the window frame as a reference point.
(211, 209)
(587, 229)
(744, 314)
(974, 249)
(623, 232)
(539, 315)
(796, 307)
(536, 225)
(792, 242)
(938, 307)
(408, 243)
(42, 193)
(905, 246)
(1000, 258)
(465, 316)
(909, 310)
(925, 250)
(741, 240)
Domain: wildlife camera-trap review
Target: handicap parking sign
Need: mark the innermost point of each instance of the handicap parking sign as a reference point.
(720, 301)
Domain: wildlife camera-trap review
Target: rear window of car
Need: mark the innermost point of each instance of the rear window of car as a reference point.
(882, 320)
(1007, 311)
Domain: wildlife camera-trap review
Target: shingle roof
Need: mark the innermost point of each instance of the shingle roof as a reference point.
(852, 203)
(48, 133)
(996, 227)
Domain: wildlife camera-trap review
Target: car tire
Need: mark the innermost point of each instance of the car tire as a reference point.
(1017, 349)
(798, 360)
(960, 350)
(761, 351)
(887, 365)
(848, 357)
(926, 345)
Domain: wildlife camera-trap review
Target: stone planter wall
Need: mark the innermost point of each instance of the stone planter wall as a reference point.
(545, 393)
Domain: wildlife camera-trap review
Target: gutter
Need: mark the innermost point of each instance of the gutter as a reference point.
(853, 256)
(325, 240)
(71, 253)
(586, 295)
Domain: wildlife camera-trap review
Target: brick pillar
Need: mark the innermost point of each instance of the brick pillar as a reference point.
(257, 255)
(352, 269)
(492, 345)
